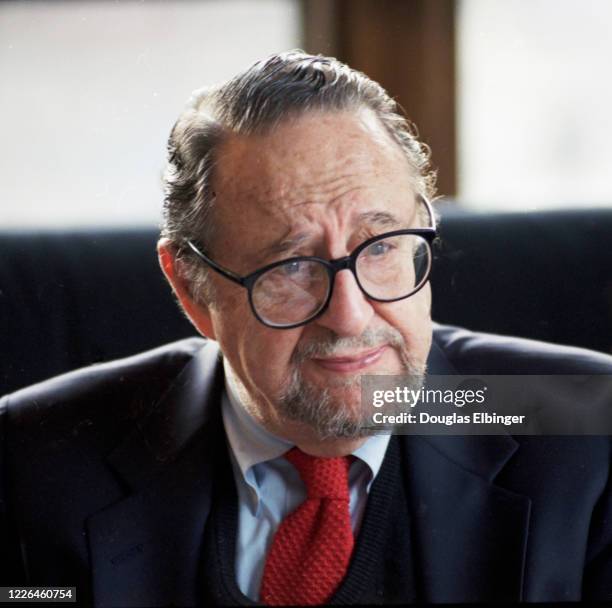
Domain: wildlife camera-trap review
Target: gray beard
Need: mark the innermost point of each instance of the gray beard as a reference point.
(337, 415)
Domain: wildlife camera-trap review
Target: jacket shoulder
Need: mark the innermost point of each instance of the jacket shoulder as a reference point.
(482, 353)
(123, 387)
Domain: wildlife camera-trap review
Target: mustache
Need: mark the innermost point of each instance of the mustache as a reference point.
(331, 344)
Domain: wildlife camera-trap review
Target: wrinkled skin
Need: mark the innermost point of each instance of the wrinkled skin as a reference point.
(319, 184)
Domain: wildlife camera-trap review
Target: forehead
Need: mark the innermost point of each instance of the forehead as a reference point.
(308, 170)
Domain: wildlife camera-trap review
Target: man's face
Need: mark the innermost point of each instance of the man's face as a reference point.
(320, 185)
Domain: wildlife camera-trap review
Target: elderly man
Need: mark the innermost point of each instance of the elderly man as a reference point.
(297, 238)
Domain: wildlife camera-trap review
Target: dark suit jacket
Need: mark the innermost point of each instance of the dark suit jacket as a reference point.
(106, 479)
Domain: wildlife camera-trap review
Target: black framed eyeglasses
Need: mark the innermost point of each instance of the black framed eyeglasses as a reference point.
(292, 292)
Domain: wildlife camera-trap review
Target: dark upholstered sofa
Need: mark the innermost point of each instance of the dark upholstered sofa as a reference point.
(72, 298)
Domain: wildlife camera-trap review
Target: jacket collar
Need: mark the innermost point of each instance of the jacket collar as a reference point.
(482, 455)
(145, 549)
(186, 407)
(437, 362)
(471, 532)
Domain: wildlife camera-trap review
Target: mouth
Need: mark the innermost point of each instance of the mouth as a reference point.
(352, 362)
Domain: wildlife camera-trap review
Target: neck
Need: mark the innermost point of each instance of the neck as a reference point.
(308, 441)
(331, 448)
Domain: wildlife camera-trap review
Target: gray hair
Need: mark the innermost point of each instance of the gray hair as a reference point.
(255, 101)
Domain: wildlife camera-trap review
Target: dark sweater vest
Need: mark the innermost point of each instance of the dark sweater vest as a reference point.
(381, 569)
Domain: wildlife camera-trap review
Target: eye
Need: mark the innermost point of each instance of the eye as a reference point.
(292, 268)
(379, 248)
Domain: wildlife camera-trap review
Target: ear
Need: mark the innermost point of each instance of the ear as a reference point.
(198, 313)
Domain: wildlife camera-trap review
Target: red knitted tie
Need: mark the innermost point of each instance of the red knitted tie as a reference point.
(312, 547)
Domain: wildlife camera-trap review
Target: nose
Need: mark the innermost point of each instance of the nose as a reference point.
(349, 312)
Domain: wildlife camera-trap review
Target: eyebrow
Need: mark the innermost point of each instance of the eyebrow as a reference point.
(284, 245)
(383, 219)
(289, 243)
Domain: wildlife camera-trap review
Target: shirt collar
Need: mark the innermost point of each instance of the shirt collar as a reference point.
(372, 452)
(252, 444)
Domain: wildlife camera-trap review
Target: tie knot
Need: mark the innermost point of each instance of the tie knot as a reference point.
(323, 477)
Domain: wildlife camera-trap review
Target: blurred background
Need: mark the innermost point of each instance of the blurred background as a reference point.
(511, 95)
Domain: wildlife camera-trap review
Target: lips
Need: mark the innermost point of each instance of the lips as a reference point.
(351, 363)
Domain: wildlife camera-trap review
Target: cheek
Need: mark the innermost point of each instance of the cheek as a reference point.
(412, 318)
(258, 354)
(266, 362)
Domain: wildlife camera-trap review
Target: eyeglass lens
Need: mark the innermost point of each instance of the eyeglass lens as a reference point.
(388, 269)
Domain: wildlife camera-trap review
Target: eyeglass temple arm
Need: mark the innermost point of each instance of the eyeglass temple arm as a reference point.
(228, 274)
(430, 211)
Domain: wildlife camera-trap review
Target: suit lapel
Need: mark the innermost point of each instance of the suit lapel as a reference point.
(146, 548)
(471, 534)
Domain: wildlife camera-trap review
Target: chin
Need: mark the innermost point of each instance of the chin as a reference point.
(328, 411)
